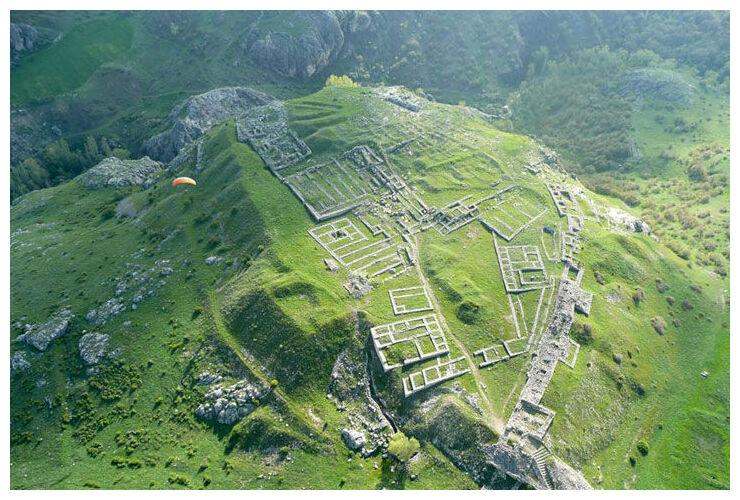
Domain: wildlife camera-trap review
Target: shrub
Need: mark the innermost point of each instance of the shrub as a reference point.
(91, 484)
(108, 213)
(340, 81)
(582, 333)
(599, 278)
(114, 380)
(178, 479)
(467, 312)
(402, 447)
(643, 447)
(638, 296)
(659, 324)
(94, 449)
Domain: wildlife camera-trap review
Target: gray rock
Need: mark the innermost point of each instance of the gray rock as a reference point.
(198, 114)
(110, 309)
(214, 260)
(19, 362)
(300, 53)
(208, 378)
(357, 285)
(353, 439)
(564, 477)
(230, 404)
(115, 172)
(93, 347)
(22, 37)
(40, 336)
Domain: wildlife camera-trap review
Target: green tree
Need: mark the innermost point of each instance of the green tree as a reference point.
(107, 153)
(340, 81)
(121, 153)
(27, 176)
(92, 154)
(402, 447)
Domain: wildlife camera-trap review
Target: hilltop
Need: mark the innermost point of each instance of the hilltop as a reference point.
(255, 331)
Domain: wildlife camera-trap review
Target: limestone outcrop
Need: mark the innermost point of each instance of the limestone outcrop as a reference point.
(198, 114)
(228, 405)
(40, 336)
(114, 172)
(93, 347)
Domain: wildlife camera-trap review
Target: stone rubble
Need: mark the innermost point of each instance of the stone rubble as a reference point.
(93, 347)
(19, 362)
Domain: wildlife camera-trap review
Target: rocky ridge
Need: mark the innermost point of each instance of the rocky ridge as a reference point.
(196, 115)
(114, 172)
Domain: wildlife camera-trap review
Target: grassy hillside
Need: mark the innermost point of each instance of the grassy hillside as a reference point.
(270, 313)
(68, 64)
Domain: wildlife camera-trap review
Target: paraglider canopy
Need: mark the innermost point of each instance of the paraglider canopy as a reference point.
(183, 180)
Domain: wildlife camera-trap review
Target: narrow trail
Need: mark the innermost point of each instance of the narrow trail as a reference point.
(497, 423)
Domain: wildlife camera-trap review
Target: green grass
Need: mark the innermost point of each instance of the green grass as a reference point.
(66, 65)
(278, 313)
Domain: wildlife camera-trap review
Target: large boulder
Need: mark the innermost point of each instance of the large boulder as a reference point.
(40, 336)
(353, 439)
(228, 405)
(300, 46)
(627, 221)
(114, 172)
(196, 115)
(110, 309)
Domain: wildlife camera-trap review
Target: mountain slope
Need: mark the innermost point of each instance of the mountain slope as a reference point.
(242, 299)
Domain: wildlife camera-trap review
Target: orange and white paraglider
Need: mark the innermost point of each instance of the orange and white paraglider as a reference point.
(183, 180)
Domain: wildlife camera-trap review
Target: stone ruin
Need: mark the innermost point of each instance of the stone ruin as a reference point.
(265, 128)
(366, 256)
(402, 97)
(523, 451)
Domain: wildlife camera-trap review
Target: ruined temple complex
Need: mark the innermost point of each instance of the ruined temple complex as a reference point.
(367, 222)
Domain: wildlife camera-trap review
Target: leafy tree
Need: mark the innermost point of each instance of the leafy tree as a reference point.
(107, 152)
(402, 447)
(27, 176)
(121, 153)
(340, 81)
(92, 154)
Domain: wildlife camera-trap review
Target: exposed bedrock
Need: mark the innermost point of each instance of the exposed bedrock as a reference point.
(197, 115)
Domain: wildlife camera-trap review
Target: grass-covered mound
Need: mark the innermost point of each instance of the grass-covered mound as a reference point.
(267, 310)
